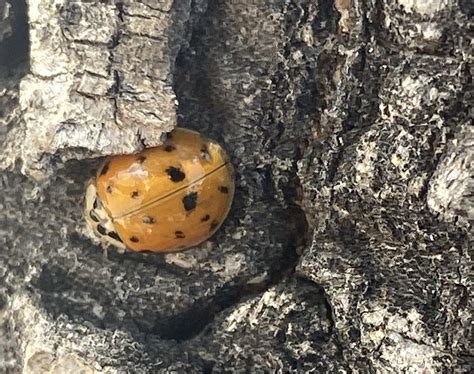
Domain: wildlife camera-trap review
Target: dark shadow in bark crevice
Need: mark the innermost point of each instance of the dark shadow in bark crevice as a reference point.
(15, 46)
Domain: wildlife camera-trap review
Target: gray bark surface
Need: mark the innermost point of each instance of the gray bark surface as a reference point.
(98, 79)
(348, 246)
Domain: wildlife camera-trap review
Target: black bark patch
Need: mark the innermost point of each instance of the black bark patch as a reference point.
(466, 7)
(15, 46)
(115, 236)
(190, 201)
(214, 225)
(109, 189)
(96, 204)
(141, 159)
(205, 218)
(175, 174)
(105, 169)
(170, 148)
(179, 234)
(223, 189)
(93, 216)
(101, 230)
(134, 194)
(149, 220)
(134, 239)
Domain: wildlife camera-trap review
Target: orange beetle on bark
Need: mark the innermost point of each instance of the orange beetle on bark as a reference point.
(163, 199)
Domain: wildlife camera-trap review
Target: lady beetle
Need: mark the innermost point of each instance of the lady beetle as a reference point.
(163, 199)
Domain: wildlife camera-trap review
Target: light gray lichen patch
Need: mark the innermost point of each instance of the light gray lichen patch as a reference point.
(451, 186)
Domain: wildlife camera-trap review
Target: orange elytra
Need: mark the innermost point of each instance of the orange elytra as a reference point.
(163, 199)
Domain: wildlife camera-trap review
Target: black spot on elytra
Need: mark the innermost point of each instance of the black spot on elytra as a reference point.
(190, 201)
(205, 153)
(214, 225)
(149, 220)
(141, 159)
(134, 194)
(205, 218)
(170, 148)
(179, 234)
(101, 230)
(175, 174)
(93, 216)
(223, 189)
(115, 236)
(134, 239)
(105, 169)
(109, 189)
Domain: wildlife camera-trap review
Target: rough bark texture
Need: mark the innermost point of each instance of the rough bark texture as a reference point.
(348, 247)
(98, 78)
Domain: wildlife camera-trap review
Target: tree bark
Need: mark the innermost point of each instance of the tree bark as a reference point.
(348, 247)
